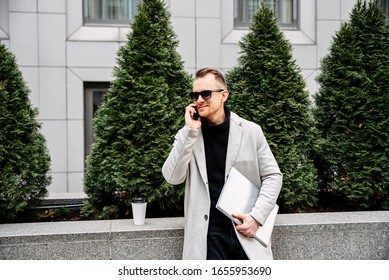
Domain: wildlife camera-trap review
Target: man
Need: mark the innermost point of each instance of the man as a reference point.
(204, 152)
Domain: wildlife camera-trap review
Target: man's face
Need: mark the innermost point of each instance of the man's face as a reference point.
(213, 108)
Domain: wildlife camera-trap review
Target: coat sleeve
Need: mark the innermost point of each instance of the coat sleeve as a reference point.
(271, 181)
(175, 168)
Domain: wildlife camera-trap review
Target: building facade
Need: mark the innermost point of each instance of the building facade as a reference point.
(67, 57)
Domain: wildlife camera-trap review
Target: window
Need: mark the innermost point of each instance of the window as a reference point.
(110, 11)
(385, 7)
(93, 97)
(285, 11)
(4, 20)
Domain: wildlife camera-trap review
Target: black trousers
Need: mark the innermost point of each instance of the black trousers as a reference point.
(223, 244)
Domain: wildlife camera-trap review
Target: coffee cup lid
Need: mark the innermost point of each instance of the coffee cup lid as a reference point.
(139, 199)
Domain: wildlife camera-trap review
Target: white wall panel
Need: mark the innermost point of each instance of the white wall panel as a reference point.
(326, 30)
(328, 9)
(230, 54)
(208, 42)
(22, 6)
(75, 146)
(98, 74)
(51, 6)
(346, 7)
(31, 78)
(75, 183)
(55, 133)
(52, 93)
(208, 8)
(52, 35)
(306, 56)
(59, 183)
(91, 54)
(185, 30)
(311, 84)
(75, 96)
(179, 8)
(24, 38)
(73, 16)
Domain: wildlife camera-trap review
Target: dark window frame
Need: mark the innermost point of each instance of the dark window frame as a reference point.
(239, 4)
(384, 4)
(93, 96)
(96, 17)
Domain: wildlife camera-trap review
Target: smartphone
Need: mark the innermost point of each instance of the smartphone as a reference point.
(195, 115)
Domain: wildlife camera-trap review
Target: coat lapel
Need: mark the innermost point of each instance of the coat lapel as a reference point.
(199, 154)
(234, 142)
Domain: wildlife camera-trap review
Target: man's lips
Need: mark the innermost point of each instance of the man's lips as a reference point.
(201, 108)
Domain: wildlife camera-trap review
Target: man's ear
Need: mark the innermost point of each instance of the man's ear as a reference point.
(225, 94)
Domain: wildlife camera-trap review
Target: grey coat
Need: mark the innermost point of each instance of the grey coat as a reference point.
(249, 152)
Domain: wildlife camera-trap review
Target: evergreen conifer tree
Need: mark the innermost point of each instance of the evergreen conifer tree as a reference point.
(139, 116)
(352, 112)
(267, 88)
(24, 158)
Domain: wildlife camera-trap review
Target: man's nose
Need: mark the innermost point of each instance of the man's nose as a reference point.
(200, 99)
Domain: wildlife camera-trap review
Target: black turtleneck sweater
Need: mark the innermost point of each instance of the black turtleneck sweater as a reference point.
(215, 143)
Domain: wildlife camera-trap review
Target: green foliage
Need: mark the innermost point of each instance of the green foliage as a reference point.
(353, 113)
(266, 87)
(24, 158)
(140, 114)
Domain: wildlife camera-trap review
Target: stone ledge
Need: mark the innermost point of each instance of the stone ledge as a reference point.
(334, 236)
(68, 200)
(343, 235)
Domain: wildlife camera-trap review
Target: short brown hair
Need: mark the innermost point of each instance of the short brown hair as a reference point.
(218, 75)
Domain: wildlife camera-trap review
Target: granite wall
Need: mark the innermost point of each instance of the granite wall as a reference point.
(324, 236)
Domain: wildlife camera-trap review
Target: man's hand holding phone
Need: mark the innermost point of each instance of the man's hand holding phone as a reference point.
(192, 117)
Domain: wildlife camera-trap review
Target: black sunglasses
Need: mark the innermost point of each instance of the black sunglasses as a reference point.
(205, 94)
